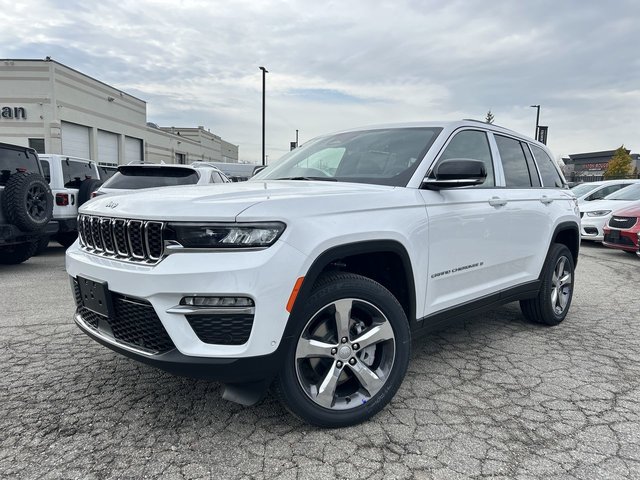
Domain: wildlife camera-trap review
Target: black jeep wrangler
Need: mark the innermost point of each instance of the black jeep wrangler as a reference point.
(26, 204)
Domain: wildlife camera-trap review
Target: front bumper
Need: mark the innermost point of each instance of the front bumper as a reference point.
(267, 276)
(627, 240)
(592, 228)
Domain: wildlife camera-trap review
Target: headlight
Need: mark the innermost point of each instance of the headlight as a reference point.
(598, 213)
(228, 235)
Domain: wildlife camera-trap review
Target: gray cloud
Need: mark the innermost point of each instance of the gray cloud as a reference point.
(341, 64)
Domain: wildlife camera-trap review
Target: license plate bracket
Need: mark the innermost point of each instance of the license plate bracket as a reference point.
(95, 296)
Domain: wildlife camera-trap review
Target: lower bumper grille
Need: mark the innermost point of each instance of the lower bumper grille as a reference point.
(228, 329)
(134, 322)
(619, 240)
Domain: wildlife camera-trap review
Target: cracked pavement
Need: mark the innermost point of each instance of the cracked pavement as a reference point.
(491, 396)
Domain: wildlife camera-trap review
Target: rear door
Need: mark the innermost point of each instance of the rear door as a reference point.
(74, 172)
(466, 229)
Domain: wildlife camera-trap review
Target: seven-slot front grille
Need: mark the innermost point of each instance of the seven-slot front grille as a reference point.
(132, 240)
(622, 222)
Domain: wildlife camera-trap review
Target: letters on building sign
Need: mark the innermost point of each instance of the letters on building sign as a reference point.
(13, 113)
(595, 166)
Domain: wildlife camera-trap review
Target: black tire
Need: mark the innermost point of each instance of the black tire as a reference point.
(27, 201)
(544, 309)
(363, 291)
(87, 187)
(15, 254)
(43, 243)
(66, 239)
(630, 253)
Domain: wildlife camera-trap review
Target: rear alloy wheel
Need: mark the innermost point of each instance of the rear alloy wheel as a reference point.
(552, 304)
(349, 357)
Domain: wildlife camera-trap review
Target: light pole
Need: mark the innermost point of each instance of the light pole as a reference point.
(264, 74)
(537, 107)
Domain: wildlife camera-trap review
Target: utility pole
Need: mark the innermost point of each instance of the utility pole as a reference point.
(537, 107)
(264, 74)
(297, 144)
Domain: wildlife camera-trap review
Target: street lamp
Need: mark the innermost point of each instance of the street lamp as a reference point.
(537, 107)
(264, 74)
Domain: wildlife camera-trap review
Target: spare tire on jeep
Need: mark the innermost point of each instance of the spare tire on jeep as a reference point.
(87, 187)
(27, 201)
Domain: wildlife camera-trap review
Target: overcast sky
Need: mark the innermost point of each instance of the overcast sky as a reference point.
(335, 65)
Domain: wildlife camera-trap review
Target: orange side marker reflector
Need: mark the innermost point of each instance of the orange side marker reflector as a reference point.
(294, 294)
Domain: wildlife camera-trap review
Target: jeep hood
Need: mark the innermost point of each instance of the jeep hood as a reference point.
(218, 202)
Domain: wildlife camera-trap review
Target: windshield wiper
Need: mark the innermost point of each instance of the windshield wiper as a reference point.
(324, 179)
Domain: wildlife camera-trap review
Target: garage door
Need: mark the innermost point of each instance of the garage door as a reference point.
(75, 140)
(132, 149)
(107, 147)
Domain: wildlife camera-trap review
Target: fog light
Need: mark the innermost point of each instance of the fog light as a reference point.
(201, 301)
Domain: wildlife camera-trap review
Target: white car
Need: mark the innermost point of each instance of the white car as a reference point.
(588, 192)
(72, 181)
(313, 276)
(595, 215)
(137, 176)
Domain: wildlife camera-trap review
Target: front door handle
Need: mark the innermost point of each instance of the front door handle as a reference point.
(497, 202)
(546, 200)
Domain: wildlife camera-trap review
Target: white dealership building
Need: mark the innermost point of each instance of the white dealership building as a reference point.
(56, 109)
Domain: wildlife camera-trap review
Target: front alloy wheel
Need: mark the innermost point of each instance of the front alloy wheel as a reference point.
(349, 354)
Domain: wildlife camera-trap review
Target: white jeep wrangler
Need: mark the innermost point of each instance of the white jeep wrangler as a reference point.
(314, 276)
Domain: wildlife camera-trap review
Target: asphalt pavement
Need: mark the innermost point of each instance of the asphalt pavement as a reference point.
(492, 396)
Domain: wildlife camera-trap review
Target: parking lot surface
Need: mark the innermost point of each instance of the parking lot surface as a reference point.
(492, 396)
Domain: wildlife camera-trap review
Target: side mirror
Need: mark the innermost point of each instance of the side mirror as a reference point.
(456, 172)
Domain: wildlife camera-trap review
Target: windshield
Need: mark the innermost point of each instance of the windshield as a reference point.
(632, 192)
(384, 156)
(133, 177)
(583, 189)
(14, 160)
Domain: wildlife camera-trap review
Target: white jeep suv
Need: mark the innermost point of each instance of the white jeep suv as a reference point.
(313, 276)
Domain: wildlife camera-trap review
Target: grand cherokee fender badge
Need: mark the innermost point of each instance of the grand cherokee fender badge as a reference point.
(457, 269)
(111, 204)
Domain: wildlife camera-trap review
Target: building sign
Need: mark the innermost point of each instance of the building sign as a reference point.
(595, 166)
(14, 113)
(542, 134)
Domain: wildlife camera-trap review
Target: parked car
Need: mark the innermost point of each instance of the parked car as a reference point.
(107, 171)
(138, 176)
(26, 204)
(596, 214)
(72, 181)
(236, 172)
(313, 276)
(588, 192)
(623, 228)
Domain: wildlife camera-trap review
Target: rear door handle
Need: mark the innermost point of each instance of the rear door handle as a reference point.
(497, 202)
(546, 200)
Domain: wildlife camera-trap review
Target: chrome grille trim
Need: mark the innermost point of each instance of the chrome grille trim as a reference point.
(122, 239)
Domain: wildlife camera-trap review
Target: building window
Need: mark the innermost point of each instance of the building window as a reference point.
(37, 144)
(180, 158)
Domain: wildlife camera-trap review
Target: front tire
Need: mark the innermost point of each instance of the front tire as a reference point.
(348, 355)
(552, 304)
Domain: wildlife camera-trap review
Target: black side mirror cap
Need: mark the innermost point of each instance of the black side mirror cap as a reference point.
(456, 172)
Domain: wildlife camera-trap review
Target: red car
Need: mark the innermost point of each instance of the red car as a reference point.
(622, 230)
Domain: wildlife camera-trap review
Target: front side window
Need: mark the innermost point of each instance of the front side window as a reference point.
(386, 156)
(471, 144)
(548, 171)
(514, 162)
(74, 172)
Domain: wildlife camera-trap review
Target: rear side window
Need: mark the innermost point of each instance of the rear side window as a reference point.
(74, 172)
(136, 177)
(548, 171)
(514, 162)
(472, 144)
(12, 161)
(216, 178)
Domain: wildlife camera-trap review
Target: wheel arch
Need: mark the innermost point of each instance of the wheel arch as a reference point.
(568, 234)
(340, 257)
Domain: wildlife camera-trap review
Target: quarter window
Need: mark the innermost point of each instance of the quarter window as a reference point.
(514, 162)
(548, 171)
(472, 144)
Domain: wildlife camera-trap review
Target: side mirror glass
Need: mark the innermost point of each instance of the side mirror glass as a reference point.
(456, 172)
